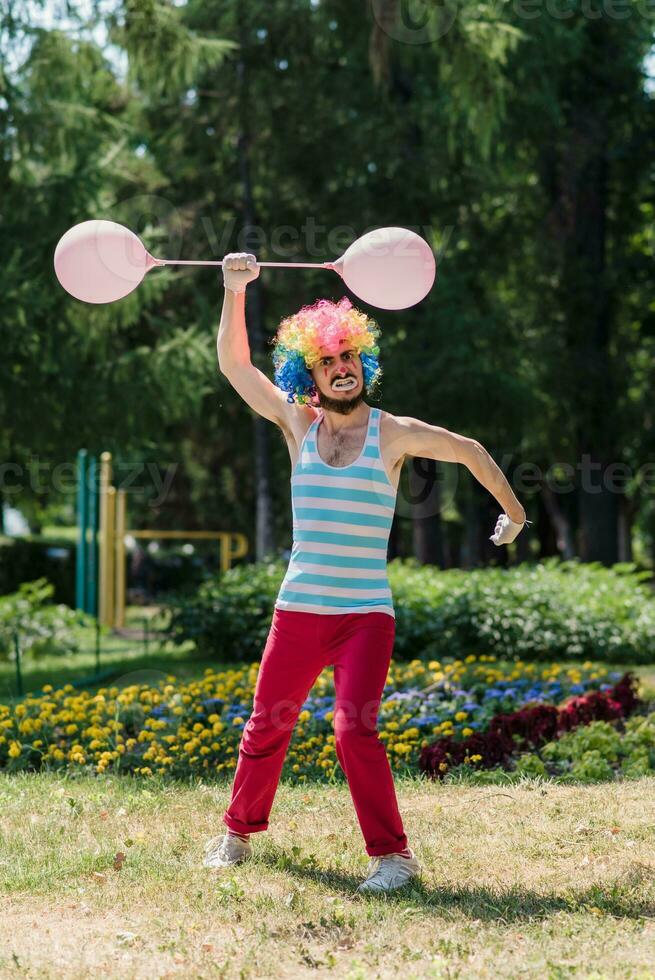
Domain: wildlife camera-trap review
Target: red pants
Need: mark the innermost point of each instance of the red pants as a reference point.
(298, 647)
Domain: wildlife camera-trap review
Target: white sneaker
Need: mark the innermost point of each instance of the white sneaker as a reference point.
(221, 852)
(389, 871)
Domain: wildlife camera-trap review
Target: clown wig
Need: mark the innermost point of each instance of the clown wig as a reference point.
(300, 337)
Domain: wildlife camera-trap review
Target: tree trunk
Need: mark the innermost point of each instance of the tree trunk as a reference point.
(480, 520)
(546, 531)
(599, 523)
(393, 550)
(264, 537)
(559, 522)
(626, 514)
(424, 495)
(583, 193)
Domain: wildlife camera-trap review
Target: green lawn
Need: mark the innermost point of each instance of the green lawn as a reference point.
(103, 876)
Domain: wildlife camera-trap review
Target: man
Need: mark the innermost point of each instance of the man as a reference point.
(334, 606)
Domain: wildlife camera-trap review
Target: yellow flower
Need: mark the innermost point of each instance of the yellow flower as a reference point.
(475, 758)
(467, 731)
(461, 716)
(304, 716)
(14, 750)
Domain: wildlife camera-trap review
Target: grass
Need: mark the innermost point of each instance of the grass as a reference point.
(103, 875)
(533, 880)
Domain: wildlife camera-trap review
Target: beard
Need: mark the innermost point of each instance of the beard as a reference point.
(342, 406)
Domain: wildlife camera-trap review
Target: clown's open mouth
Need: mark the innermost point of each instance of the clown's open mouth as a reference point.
(344, 384)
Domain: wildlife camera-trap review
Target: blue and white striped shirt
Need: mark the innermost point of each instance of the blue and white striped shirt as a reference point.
(341, 522)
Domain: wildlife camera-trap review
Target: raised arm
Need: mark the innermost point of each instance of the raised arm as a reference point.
(233, 349)
(417, 438)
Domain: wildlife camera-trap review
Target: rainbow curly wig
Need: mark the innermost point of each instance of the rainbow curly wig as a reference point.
(324, 324)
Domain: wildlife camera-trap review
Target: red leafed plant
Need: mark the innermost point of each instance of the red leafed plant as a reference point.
(530, 727)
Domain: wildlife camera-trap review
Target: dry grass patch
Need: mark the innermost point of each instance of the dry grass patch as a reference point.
(104, 876)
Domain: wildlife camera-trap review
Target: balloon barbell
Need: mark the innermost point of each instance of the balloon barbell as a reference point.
(101, 261)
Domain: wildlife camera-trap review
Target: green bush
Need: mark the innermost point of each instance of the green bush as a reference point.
(552, 610)
(41, 626)
(599, 751)
(229, 617)
(530, 765)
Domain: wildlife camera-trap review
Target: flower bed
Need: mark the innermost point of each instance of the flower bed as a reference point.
(529, 727)
(597, 751)
(184, 730)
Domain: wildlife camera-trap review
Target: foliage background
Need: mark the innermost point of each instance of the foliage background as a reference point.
(519, 145)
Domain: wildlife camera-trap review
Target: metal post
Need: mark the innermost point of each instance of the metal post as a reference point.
(82, 515)
(119, 590)
(105, 581)
(230, 551)
(111, 554)
(97, 645)
(92, 550)
(19, 676)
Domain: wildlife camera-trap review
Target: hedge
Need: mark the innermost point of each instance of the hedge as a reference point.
(550, 610)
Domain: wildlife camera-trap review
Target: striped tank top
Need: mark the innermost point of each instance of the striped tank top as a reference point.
(341, 522)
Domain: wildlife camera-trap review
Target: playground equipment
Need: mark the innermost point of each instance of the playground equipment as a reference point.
(100, 261)
(102, 532)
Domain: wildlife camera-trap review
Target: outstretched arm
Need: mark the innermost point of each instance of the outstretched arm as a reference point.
(233, 349)
(418, 438)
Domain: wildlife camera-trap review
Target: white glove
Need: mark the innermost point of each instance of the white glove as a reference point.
(506, 530)
(239, 268)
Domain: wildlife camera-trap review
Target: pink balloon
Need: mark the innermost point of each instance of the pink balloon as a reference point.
(392, 268)
(101, 261)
